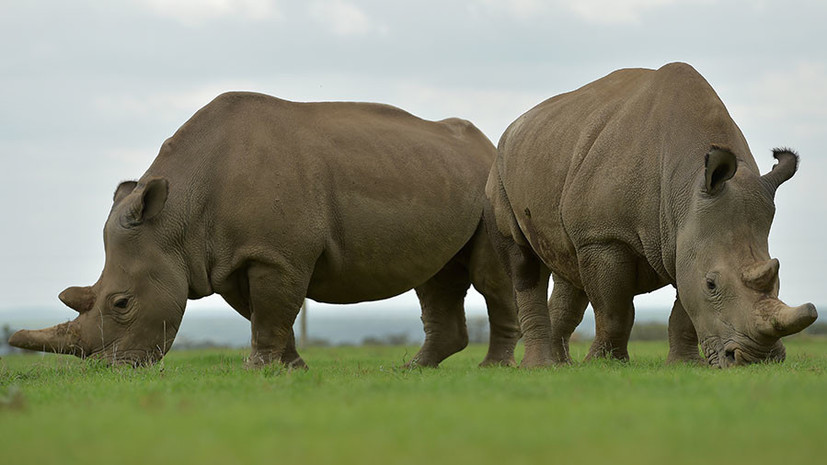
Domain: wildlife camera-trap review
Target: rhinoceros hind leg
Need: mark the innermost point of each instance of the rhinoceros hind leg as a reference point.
(683, 340)
(528, 273)
(530, 277)
(504, 328)
(530, 291)
(443, 314)
(491, 280)
(610, 286)
(566, 305)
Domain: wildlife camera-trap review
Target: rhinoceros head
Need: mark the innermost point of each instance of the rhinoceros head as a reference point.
(726, 279)
(131, 314)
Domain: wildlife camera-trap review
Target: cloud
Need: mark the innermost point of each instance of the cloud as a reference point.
(614, 11)
(501, 107)
(197, 12)
(590, 11)
(519, 9)
(160, 105)
(784, 106)
(343, 18)
(793, 93)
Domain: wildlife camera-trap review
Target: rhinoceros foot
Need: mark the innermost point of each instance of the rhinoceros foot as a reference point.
(499, 360)
(685, 356)
(263, 359)
(537, 355)
(605, 349)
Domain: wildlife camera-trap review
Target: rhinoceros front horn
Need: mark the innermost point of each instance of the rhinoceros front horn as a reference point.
(60, 339)
(782, 320)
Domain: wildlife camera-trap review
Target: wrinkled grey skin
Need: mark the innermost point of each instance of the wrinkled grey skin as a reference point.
(266, 202)
(636, 181)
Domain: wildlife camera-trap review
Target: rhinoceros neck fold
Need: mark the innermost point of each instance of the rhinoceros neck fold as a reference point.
(184, 229)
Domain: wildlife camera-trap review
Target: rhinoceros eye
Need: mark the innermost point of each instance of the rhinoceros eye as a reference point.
(710, 284)
(123, 302)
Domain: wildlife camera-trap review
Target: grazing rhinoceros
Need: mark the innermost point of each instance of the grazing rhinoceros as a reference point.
(635, 181)
(266, 202)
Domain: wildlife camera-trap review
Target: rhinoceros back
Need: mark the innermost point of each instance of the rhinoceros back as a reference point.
(373, 199)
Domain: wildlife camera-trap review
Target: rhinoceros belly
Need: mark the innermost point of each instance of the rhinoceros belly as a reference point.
(383, 248)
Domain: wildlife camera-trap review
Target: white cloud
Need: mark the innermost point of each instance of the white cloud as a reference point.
(520, 9)
(795, 96)
(614, 11)
(173, 107)
(343, 18)
(501, 107)
(197, 12)
(591, 11)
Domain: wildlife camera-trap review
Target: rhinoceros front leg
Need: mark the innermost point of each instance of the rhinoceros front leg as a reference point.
(608, 273)
(567, 305)
(241, 303)
(683, 340)
(276, 295)
(443, 314)
(290, 357)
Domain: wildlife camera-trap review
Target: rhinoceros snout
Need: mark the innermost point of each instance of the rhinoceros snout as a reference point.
(732, 354)
(741, 351)
(731, 357)
(727, 357)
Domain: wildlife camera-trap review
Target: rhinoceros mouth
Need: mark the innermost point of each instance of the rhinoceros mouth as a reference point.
(740, 350)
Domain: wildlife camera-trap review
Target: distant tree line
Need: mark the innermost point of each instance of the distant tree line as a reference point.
(477, 334)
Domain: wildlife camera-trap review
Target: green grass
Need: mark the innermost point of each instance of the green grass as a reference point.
(356, 405)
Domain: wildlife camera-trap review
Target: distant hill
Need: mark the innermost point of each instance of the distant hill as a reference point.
(327, 324)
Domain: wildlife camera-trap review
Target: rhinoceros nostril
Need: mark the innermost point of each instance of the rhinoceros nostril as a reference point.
(729, 355)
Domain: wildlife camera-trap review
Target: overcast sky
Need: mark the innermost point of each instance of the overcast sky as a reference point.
(89, 90)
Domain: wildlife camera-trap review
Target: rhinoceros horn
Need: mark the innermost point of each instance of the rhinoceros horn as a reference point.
(761, 276)
(783, 170)
(60, 339)
(80, 299)
(776, 319)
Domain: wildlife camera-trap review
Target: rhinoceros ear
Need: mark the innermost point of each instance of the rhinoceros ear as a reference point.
(783, 170)
(150, 201)
(720, 166)
(125, 188)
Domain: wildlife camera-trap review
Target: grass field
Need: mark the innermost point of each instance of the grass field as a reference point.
(356, 405)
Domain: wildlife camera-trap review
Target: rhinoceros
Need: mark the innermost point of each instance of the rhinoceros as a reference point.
(639, 180)
(266, 202)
